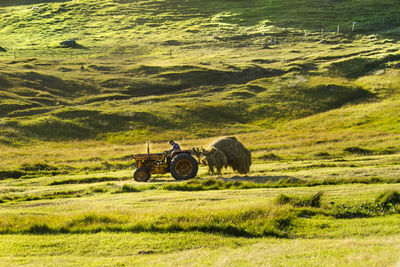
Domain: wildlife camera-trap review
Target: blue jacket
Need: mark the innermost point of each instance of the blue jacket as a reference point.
(175, 147)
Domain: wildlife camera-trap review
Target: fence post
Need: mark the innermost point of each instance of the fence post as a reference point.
(338, 30)
(354, 24)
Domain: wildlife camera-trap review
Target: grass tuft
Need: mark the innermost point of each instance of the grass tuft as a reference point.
(313, 200)
(91, 219)
(386, 203)
(270, 157)
(39, 229)
(126, 188)
(389, 198)
(358, 150)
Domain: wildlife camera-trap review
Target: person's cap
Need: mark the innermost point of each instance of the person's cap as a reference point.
(171, 141)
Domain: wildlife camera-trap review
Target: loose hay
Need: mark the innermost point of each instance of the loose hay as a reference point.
(215, 159)
(238, 157)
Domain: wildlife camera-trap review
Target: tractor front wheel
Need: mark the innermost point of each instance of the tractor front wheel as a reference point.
(183, 167)
(141, 175)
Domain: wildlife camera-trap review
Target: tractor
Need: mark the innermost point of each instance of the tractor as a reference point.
(181, 165)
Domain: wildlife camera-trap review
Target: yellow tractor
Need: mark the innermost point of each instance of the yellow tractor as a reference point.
(181, 164)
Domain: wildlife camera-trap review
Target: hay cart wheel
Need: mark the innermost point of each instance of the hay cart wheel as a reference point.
(141, 175)
(184, 167)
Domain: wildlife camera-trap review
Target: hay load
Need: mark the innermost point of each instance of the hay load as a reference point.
(238, 157)
(215, 159)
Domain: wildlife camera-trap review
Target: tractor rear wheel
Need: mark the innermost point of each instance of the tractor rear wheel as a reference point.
(183, 167)
(141, 175)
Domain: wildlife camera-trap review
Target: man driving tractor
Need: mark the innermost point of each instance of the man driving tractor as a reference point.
(180, 163)
(175, 146)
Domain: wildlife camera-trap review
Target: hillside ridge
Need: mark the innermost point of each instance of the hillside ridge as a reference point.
(192, 69)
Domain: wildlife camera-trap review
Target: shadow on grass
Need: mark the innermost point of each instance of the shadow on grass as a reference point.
(6, 3)
(225, 230)
(246, 182)
(263, 179)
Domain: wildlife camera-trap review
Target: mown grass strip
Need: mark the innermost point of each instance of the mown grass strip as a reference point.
(277, 219)
(252, 222)
(218, 184)
(191, 185)
(48, 196)
(88, 180)
(226, 230)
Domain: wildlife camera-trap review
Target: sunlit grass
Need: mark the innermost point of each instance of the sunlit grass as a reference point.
(195, 248)
(318, 111)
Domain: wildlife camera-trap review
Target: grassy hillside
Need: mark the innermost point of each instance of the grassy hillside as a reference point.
(195, 70)
(188, 69)
(106, 24)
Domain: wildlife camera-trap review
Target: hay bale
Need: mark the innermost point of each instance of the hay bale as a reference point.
(238, 157)
(214, 159)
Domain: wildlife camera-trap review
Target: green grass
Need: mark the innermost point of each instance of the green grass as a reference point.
(156, 225)
(148, 86)
(318, 111)
(261, 216)
(108, 207)
(194, 249)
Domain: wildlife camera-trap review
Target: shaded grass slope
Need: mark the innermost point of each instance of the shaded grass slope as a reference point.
(191, 69)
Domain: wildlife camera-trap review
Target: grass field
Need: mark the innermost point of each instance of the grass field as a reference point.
(228, 227)
(105, 218)
(318, 109)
